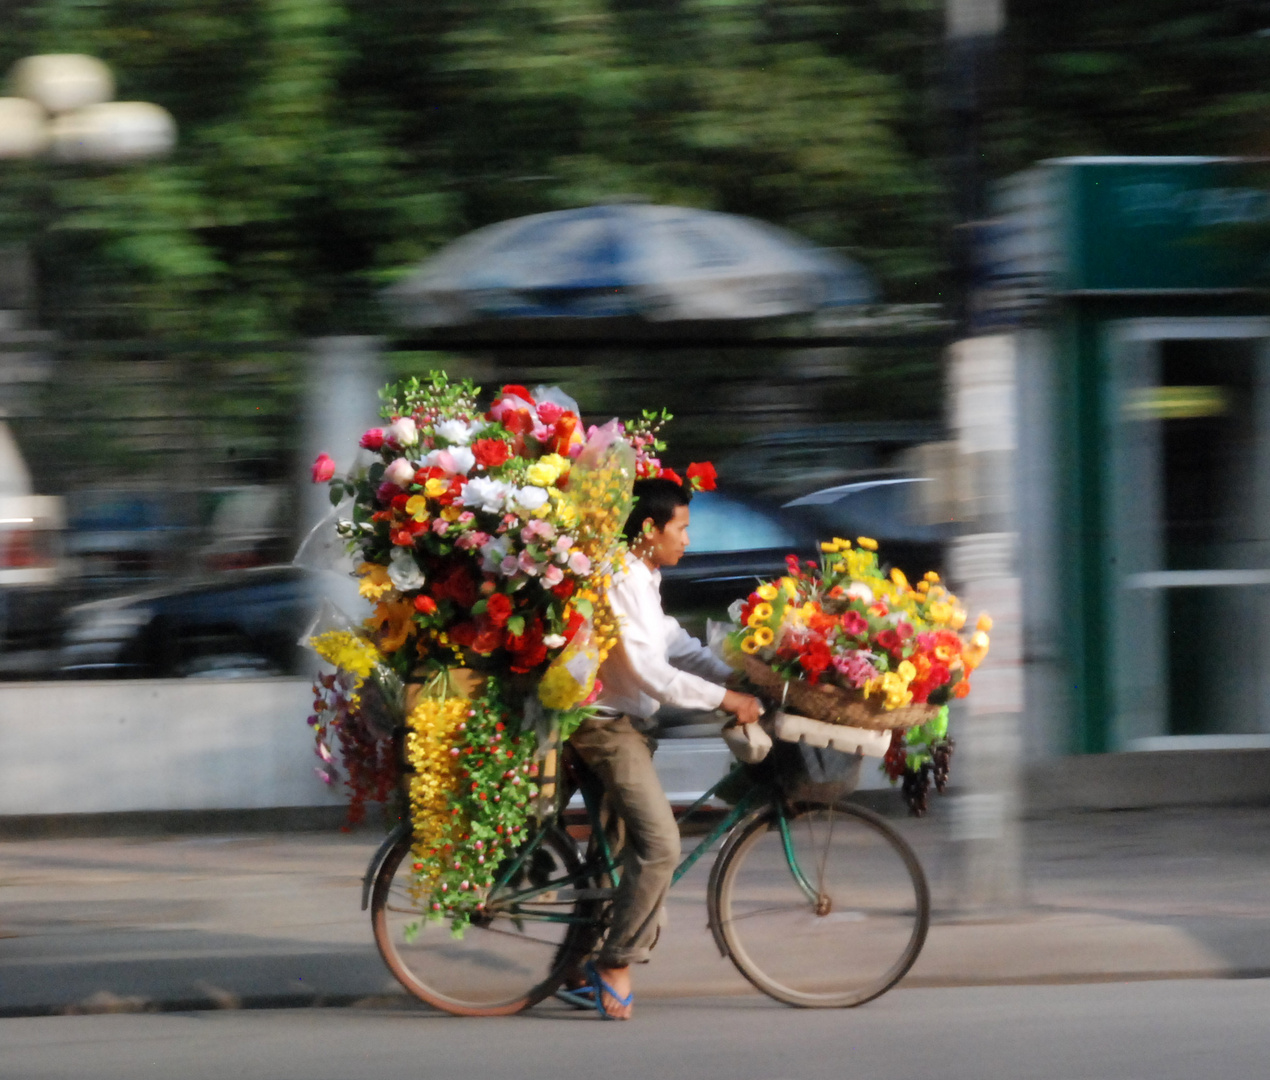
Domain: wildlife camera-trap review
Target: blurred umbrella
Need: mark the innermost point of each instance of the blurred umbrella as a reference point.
(661, 263)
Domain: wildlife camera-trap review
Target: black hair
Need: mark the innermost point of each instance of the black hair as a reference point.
(658, 499)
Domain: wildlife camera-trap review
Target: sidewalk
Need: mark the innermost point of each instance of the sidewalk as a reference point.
(257, 920)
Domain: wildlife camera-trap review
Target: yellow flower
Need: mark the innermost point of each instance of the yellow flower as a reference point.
(547, 470)
(958, 619)
(750, 645)
(923, 587)
(764, 636)
(979, 640)
(375, 581)
(841, 544)
(760, 615)
(939, 612)
(906, 671)
(789, 585)
(417, 507)
(931, 577)
(867, 543)
(827, 547)
(897, 576)
(767, 592)
(984, 623)
(436, 487)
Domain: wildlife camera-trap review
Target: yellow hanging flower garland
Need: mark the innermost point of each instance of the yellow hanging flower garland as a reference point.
(432, 732)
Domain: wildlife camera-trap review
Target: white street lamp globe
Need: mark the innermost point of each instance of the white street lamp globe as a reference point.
(24, 130)
(114, 131)
(63, 81)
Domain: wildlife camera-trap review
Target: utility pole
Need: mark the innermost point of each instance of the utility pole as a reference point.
(986, 824)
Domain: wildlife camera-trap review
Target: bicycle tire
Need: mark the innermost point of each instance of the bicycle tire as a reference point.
(497, 968)
(792, 947)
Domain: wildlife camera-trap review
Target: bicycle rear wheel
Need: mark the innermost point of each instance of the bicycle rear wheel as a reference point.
(827, 912)
(509, 958)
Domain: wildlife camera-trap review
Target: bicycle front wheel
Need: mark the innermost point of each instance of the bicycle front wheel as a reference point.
(821, 907)
(511, 957)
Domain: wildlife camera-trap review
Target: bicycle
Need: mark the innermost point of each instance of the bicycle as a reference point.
(817, 905)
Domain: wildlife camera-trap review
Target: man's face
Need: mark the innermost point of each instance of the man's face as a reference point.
(666, 546)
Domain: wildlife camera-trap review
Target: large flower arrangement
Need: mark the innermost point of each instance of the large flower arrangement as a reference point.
(485, 537)
(892, 650)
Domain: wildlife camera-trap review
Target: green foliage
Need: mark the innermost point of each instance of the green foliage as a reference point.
(325, 146)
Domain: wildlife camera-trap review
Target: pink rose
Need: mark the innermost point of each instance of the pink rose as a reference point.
(323, 468)
(373, 439)
(508, 566)
(470, 540)
(580, 564)
(549, 412)
(440, 526)
(552, 576)
(399, 472)
(544, 433)
(527, 564)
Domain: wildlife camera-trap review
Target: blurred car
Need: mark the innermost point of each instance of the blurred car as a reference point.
(238, 624)
(735, 541)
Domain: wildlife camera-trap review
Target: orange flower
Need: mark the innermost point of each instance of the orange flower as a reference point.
(392, 623)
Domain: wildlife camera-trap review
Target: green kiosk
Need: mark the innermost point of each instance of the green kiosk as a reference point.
(1135, 294)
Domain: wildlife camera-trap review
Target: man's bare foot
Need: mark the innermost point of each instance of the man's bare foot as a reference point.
(620, 980)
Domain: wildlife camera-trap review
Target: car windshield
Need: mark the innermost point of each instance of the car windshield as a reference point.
(719, 523)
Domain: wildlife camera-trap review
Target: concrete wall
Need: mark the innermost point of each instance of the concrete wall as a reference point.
(157, 745)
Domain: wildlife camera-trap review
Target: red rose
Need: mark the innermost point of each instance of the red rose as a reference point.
(815, 658)
(499, 608)
(527, 649)
(491, 452)
(455, 582)
(399, 501)
(518, 391)
(701, 476)
(373, 439)
(671, 475)
(855, 624)
(403, 538)
(480, 635)
(425, 604)
(576, 622)
(518, 421)
(565, 589)
(323, 468)
(888, 640)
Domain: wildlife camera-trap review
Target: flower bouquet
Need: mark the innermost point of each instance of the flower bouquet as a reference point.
(485, 538)
(845, 642)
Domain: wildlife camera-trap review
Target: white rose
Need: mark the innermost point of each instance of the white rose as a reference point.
(399, 472)
(464, 459)
(859, 591)
(456, 432)
(493, 552)
(403, 571)
(402, 432)
(531, 498)
(553, 641)
(487, 495)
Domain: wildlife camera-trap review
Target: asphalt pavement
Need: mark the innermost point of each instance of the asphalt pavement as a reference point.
(250, 920)
(1141, 1031)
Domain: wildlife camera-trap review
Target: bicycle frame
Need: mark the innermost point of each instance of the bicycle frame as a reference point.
(605, 863)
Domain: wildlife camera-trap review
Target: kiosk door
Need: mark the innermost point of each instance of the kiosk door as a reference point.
(1190, 517)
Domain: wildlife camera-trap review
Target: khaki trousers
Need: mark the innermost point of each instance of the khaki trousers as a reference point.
(622, 758)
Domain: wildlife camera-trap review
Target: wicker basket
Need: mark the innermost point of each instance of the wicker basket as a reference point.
(832, 704)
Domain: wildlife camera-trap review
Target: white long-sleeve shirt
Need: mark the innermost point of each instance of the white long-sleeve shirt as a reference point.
(656, 662)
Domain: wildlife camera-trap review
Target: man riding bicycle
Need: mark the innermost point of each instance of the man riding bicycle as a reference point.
(656, 662)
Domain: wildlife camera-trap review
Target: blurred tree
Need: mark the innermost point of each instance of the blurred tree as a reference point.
(1134, 77)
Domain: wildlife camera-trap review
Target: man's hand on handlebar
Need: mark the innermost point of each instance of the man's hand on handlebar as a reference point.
(746, 708)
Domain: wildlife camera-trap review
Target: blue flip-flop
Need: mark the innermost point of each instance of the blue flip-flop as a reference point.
(580, 997)
(599, 988)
